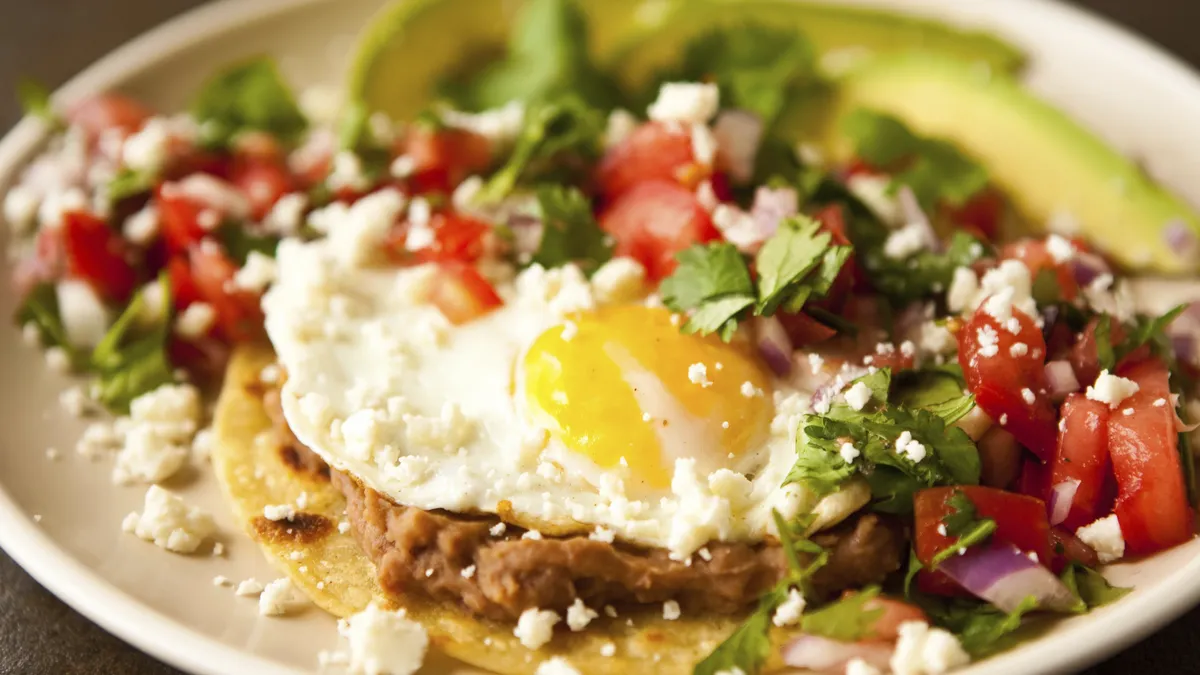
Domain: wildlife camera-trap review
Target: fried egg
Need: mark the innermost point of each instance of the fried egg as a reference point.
(560, 413)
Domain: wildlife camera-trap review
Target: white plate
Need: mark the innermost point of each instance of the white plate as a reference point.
(1141, 99)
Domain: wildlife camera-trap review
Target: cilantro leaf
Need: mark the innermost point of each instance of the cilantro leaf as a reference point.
(1148, 331)
(983, 631)
(936, 391)
(355, 135)
(756, 66)
(1090, 586)
(707, 274)
(40, 308)
(244, 97)
(569, 230)
(128, 183)
(1104, 346)
(964, 523)
(239, 241)
(794, 543)
(846, 620)
(934, 169)
(951, 458)
(718, 316)
(35, 100)
(546, 57)
(560, 139)
(796, 249)
(922, 275)
(747, 647)
(129, 365)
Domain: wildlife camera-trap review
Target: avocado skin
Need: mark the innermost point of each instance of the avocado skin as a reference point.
(1046, 162)
(656, 44)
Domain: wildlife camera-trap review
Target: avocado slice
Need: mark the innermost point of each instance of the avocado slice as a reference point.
(409, 45)
(661, 37)
(1044, 160)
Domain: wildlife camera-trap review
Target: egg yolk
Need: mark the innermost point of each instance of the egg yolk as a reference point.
(623, 385)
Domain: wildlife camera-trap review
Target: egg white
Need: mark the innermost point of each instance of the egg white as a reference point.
(430, 415)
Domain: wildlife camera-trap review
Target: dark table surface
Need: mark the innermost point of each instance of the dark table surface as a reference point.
(56, 38)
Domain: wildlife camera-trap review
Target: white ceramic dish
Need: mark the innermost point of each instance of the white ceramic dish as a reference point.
(1141, 99)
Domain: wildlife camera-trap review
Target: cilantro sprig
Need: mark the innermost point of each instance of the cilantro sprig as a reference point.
(747, 647)
(560, 139)
(934, 169)
(951, 458)
(713, 281)
(34, 98)
(570, 233)
(247, 96)
(964, 523)
(129, 363)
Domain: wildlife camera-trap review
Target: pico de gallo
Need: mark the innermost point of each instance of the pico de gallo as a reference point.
(1001, 395)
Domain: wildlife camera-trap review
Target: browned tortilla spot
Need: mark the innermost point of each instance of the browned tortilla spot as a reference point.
(310, 466)
(303, 528)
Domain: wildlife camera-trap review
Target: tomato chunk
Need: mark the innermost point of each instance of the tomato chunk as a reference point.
(1082, 455)
(455, 238)
(981, 214)
(443, 158)
(108, 111)
(654, 221)
(652, 152)
(462, 294)
(180, 217)
(239, 316)
(96, 254)
(1152, 504)
(1020, 521)
(1067, 548)
(1008, 383)
(1037, 257)
(263, 182)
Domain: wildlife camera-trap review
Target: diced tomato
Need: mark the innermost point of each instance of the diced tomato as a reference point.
(1066, 547)
(96, 254)
(1034, 479)
(1010, 387)
(895, 612)
(832, 219)
(215, 164)
(652, 152)
(654, 221)
(1036, 256)
(180, 219)
(455, 238)
(1020, 521)
(263, 182)
(1085, 360)
(803, 330)
(1082, 455)
(204, 358)
(443, 158)
(183, 289)
(1000, 458)
(108, 111)
(981, 214)
(1152, 504)
(239, 316)
(462, 294)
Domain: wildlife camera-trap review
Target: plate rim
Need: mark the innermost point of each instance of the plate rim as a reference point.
(173, 642)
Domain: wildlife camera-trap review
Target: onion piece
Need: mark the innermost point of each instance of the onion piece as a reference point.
(739, 134)
(823, 397)
(774, 345)
(772, 205)
(1178, 235)
(1061, 497)
(914, 215)
(823, 655)
(1087, 267)
(1004, 576)
(1060, 378)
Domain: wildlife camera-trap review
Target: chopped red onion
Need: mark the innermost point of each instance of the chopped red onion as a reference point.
(1087, 267)
(1184, 332)
(774, 345)
(771, 205)
(1061, 497)
(1004, 576)
(823, 397)
(1060, 378)
(1180, 236)
(738, 134)
(823, 655)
